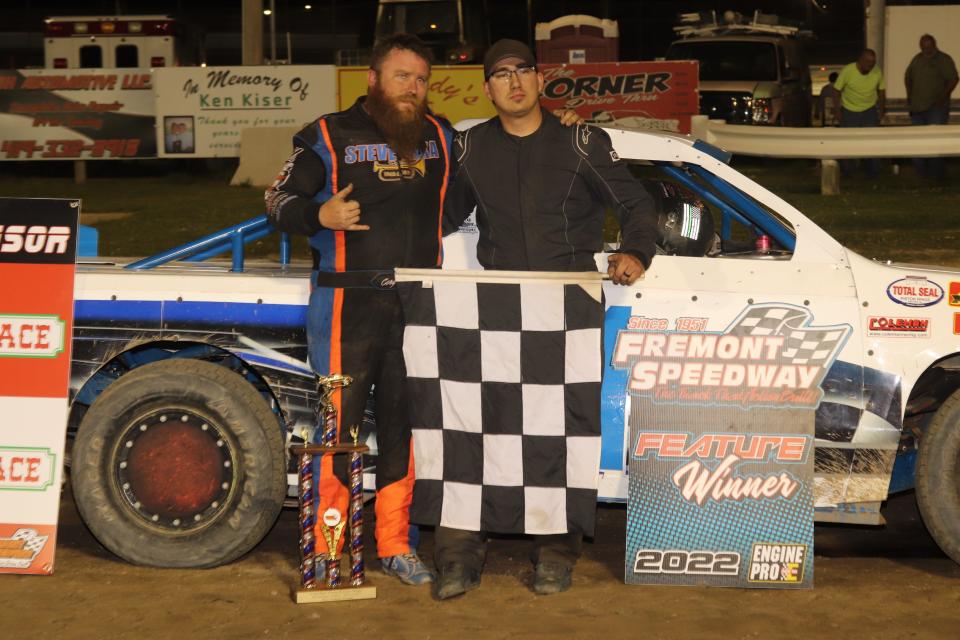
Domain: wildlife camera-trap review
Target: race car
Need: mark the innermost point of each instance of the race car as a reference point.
(190, 379)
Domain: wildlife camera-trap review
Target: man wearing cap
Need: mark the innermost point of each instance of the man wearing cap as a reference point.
(541, 191)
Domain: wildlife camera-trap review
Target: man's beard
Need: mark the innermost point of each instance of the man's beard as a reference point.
(402, 129)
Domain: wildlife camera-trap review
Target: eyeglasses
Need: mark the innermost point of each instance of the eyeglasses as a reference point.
(503, 75)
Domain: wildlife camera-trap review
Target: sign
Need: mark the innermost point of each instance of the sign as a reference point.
(455, 92)
(79, 114)
(38, 240)
(626, 95)
(202, 110)
(721, 445)
(915, 291)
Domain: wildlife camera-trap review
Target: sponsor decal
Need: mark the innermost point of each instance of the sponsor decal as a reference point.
(26, 468)
(700, 482)
(26, 336)
(37, 238)
(691, 563)
(21, 548)
(956, 324)
(887, 326)
(953, 297)
(770, 355)
(915, 291)
(777, 563)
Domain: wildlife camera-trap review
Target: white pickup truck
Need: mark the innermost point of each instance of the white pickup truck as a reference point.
(189, 379)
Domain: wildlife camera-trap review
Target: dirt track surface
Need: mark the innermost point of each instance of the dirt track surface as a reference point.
(890, 582)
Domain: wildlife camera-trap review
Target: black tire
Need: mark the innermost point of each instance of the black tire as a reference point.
(179, 463)
(938, 477)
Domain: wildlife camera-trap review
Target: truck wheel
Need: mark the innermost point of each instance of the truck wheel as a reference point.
(179, 463)
(938, 477)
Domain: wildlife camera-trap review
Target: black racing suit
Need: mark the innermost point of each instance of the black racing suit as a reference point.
(353, 327)
(541, 201)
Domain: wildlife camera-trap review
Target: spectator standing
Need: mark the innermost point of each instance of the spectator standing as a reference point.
(828, 101)
(862, 102)
(930, 79)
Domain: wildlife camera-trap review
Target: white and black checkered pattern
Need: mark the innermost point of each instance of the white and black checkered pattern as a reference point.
(504, 385)
(802, 345)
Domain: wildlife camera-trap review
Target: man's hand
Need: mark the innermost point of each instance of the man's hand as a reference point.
(568, 117)
(624, 268)
(341, 214)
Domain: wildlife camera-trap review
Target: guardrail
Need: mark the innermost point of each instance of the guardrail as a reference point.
(231, 239)
(834, 143)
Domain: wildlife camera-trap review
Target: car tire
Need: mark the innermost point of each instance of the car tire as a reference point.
(938, 477)
(179, 463)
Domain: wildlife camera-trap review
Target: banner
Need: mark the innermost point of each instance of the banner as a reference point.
(626, 95)
(38, 240)
(202, 110)
(80, 114)
(722, 415)
(455, 92)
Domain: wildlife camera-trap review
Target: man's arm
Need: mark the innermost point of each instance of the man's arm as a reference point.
(629, 200)
(460, 199)
(950, 82)
(289, 201)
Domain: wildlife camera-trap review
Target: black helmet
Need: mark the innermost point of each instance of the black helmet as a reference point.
(685, 225)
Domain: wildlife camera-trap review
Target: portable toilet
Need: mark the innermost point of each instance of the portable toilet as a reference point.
(577, 38)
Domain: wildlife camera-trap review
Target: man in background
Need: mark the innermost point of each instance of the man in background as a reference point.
(930, 79)
(862, 102)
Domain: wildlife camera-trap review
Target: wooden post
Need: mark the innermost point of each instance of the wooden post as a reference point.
(829, 178)
(80, 171)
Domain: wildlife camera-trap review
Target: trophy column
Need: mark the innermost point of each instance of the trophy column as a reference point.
(332, 523)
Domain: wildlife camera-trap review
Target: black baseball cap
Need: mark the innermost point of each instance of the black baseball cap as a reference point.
(503, 49)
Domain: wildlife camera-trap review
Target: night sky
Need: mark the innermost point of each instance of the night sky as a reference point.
(645, 26)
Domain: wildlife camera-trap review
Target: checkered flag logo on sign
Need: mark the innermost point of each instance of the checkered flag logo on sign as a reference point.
(504, 380)
(32, 540)
(815, 346)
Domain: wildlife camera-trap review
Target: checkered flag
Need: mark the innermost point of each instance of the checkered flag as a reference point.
(504, 376)
(806, 345)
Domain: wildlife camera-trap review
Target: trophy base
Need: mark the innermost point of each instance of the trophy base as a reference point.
(339, 594)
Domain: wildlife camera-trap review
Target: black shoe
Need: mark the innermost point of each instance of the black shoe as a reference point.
(455, 580)
(551, 577)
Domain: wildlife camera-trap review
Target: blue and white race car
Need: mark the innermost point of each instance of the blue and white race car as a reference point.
(218, 359)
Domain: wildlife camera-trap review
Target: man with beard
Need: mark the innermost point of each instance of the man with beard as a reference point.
(367, 186)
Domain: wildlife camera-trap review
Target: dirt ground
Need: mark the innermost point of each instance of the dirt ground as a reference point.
(871, 582)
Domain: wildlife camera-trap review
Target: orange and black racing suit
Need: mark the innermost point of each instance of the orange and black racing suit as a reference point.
(355, 325)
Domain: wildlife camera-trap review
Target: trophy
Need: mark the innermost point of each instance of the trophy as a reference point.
(332, 524)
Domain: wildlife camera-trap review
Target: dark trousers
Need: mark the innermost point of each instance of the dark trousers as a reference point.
(469, 548)
(359, 332)
(930, 167)
(856, 119)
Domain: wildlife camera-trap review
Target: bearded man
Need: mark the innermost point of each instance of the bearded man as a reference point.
(367, 186)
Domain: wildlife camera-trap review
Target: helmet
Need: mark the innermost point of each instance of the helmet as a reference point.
(685, 225)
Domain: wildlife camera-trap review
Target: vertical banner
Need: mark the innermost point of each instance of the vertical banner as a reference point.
(38, 240)
(721, 445)
(76, 114)
(455, 92)
(626, 95)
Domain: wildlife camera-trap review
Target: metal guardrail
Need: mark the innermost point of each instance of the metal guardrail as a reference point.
(231, 239)
(835, 143)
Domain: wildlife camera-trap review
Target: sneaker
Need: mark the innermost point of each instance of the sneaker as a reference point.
(456, 579)
(408, 568)
(551, 577)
